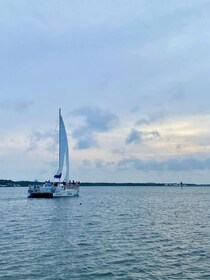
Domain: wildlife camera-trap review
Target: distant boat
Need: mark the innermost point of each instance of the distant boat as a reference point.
(58, 188)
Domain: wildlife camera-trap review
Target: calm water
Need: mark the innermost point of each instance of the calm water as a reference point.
(107, 233)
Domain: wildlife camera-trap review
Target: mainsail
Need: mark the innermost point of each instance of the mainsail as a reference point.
(63, 150)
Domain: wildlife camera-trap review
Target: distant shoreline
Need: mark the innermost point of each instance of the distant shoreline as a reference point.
(10, 183)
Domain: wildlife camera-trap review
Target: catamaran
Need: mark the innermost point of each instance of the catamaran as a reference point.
(61, 186)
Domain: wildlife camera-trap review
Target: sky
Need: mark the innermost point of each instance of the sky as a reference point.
(131, 78)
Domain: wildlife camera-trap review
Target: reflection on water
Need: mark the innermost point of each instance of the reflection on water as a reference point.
(106, 233)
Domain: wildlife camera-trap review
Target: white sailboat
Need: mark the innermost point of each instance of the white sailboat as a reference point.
(58, 188)
(65, 188)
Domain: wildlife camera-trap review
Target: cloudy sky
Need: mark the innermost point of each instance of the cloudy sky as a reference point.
(131, 77)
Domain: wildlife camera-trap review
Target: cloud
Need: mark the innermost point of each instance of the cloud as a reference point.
(86, 163)
(97, 163)
(135, 163)
(152, 135)
(151, 118)
(104, 82)
(85, 139)
(137, 136)
(42, 137)
(96, 121)
(118, 151)
(101, 164)
(18, 105)
(178, 93)
(179, 96)
(178, 147)
(183, 164)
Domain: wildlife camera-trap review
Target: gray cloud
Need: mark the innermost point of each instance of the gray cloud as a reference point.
(86, 163)
(178, 92)
(96, 121)
(119, 151)
(18, 105)
(152, 135)
(104, 81)
(151, 118)
(99, 163)
(85, 139)
(178, 147)
(184, 164)
(137, 136)
(37, 137)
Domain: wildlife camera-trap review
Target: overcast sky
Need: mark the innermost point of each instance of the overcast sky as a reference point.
(131, 77)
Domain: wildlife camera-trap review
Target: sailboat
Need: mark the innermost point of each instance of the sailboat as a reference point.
(61, 186)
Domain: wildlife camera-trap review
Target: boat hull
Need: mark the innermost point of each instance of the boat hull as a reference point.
(40, 195)
(66, 193)
(50, 191)
(45, 191)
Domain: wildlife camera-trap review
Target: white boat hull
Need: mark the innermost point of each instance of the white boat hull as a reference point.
(66, 193)
(50, 191)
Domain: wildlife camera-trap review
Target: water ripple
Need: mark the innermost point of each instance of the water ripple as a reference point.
(107, 233)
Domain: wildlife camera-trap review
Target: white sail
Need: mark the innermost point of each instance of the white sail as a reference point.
(67, 162)
(63, 150)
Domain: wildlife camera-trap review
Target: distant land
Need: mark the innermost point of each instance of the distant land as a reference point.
(10, 183)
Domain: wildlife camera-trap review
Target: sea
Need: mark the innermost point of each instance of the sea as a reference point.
(124, 233)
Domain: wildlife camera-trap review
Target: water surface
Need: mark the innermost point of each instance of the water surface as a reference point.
(114, 233)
